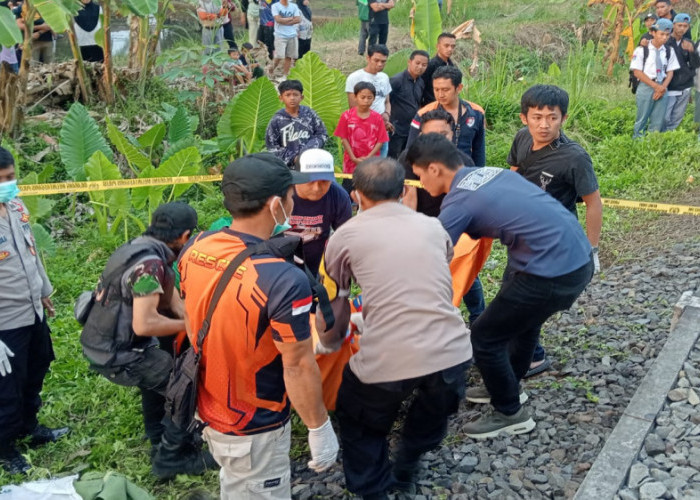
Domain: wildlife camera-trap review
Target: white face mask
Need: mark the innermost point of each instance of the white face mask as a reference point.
(279, 228)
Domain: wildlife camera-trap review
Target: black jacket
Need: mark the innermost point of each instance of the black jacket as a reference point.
(689, 62)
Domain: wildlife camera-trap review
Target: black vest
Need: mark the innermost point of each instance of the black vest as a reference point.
(107, 337)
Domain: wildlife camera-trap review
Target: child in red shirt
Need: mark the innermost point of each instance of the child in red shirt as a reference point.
(361, 130)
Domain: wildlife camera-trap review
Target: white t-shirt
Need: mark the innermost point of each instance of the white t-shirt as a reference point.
(649, 68)
(288, 11)
(380, 82)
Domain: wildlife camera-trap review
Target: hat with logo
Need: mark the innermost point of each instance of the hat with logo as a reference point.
(317, 164)
(175, 215)
(662, 25)
(651, 15)
(257, 177)
(681, 18)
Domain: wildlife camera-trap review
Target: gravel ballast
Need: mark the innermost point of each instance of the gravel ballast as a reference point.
(601, 348)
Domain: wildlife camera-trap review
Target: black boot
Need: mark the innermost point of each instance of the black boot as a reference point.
(12, 461)
(42, 435)
(173, 459)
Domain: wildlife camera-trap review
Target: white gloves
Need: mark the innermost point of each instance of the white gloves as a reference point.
(324, 447)
(596, 261)
(356, 319)
(319, 348)
(5, 355)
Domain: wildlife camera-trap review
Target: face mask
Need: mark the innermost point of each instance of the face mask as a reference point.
(8, 190)
(280, 228)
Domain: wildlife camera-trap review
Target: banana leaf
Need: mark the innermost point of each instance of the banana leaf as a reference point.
(9, 32)
(142, 8)
(427, 25)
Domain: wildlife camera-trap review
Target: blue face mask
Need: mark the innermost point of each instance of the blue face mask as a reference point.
(8, 190)
(280, 228)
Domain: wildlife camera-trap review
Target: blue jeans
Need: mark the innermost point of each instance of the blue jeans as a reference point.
(650, 113)
(474, 300)
(385, 150)
(675, 109)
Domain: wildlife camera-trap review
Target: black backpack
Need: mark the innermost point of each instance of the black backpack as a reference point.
(181, 393)
(634, 81)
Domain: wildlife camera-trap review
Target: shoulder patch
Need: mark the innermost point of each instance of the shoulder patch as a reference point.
(478, 178)
(4, 255)
(146, 284)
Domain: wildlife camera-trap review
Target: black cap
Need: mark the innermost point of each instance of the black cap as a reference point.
(175, 215)
(651, 15)
(257, 177)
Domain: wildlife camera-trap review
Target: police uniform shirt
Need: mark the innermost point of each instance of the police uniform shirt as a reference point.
(565, 171)
(24, 280)
(400, 259)
(542, 237)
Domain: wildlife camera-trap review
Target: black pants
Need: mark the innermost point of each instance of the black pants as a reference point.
(228, 35)
(366, 413)
(397, 143)
(92, 53)
(378, 33)
(304, 47)
(505, 335)
(266, 34)
(19, 390)
(150, 374)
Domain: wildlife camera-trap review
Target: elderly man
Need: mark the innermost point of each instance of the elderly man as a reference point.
(25, 339)
(414, 340)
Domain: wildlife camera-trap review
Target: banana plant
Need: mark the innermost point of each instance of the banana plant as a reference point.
(426, 24)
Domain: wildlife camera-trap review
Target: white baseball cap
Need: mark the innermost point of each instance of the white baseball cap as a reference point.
(317, 164)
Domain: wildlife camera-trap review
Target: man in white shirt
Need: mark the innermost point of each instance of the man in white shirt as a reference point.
(372, 73)
(653, 66)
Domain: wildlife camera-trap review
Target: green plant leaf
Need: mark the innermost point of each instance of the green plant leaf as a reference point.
(38, 206)
(428, 25)
(152, 138)
(247, 116)
(55, 13)
(44, 242)
(180, 126)
(79, 138)
(46, 173)
(9, 32)
(182, 163)
(149, 194)
(397, 62)
(142, 8)
(136, 159)
(100, 168)
(320, 89)
(187, 142)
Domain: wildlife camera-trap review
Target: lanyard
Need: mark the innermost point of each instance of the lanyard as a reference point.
(458, 124)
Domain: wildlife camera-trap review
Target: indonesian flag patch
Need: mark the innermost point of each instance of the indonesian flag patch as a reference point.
(301, 306)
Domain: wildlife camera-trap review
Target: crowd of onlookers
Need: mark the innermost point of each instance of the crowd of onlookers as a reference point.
(664, 71)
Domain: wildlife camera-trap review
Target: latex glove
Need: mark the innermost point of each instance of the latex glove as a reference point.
(324, 447)
(359, 323)
(5, 355)
(596, 261)
(319, 348)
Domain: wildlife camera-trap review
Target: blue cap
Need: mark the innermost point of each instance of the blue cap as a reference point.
(662, 25)
(681, 18)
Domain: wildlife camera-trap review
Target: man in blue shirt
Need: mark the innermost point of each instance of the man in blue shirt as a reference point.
(549, 265)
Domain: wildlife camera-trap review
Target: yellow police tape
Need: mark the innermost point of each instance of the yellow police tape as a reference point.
(81, 187)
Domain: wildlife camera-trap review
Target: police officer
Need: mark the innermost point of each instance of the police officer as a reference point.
(134, 308)
(25, 342)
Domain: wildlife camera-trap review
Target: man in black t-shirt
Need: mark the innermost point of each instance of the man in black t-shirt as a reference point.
(406, 95)
(546, 157)
(446, 44)
(42, 36)
(379, 21)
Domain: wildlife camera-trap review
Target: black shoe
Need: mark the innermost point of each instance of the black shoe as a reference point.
(13, 462)
(171, 460)
(42, 434)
